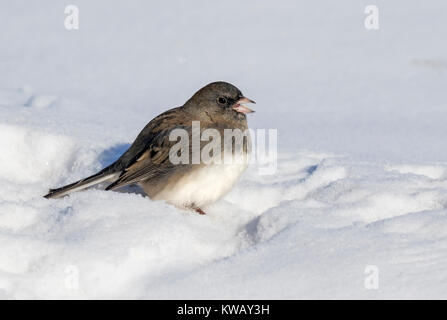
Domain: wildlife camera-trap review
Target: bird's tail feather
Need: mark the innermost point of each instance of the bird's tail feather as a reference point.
(81, 184)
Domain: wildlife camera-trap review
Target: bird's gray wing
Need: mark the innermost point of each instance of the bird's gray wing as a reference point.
(148, 156)
(154, 161)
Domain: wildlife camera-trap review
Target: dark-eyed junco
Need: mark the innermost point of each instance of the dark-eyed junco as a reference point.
(216, 108)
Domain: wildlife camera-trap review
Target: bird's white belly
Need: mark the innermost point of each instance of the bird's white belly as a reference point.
(202, 186)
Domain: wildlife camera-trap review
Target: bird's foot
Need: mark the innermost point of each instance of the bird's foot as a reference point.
(199, 211)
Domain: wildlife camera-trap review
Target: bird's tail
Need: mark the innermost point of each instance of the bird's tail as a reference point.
(82, 184)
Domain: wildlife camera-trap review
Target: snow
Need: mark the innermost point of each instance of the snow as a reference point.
(362, 170)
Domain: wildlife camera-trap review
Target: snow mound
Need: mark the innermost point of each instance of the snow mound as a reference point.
(98, 244)
(29, 156)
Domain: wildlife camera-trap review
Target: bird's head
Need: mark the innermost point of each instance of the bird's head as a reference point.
(220, 97)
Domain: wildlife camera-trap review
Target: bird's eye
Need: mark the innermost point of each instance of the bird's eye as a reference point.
(222, 100)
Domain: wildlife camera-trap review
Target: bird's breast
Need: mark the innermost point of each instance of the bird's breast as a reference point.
(200, 185)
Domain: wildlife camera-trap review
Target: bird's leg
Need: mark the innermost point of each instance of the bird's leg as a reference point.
(199, 211)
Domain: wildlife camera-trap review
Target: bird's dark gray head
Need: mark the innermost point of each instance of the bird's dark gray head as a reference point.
(220, 97)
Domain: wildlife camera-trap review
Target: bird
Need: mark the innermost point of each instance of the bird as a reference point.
(217, 107)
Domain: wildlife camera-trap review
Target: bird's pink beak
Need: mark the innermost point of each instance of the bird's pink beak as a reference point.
(239, 107)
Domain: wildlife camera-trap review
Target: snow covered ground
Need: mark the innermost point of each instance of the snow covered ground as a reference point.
(362, 169)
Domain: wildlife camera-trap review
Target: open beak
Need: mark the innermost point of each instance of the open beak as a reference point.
(239, 107)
